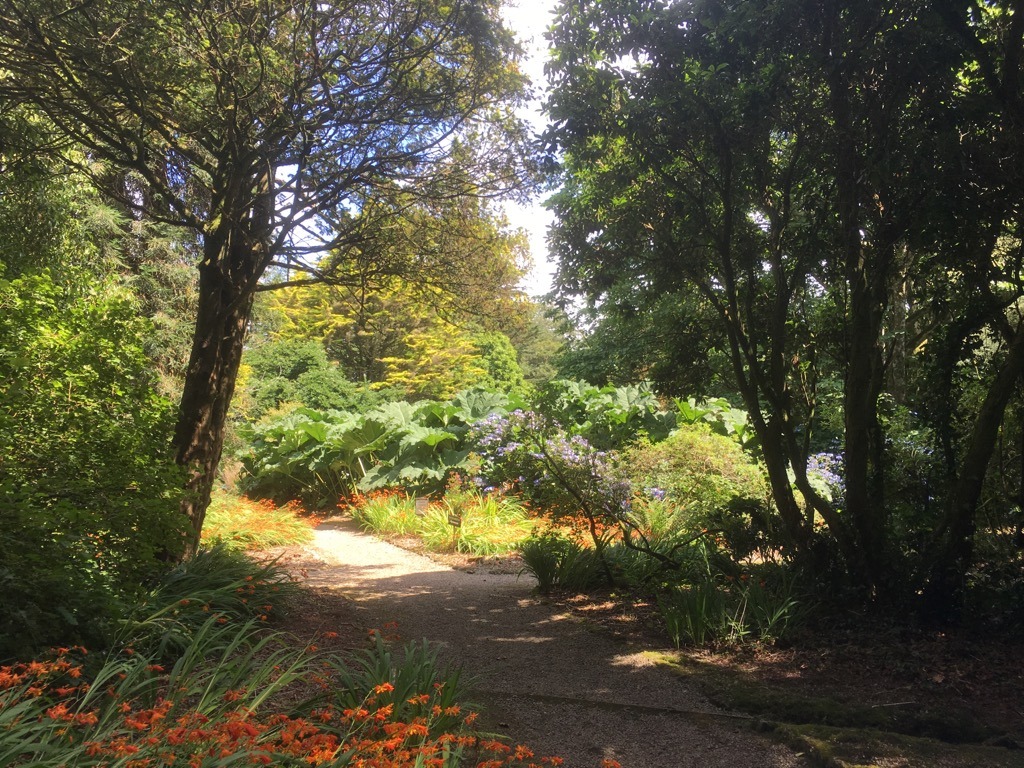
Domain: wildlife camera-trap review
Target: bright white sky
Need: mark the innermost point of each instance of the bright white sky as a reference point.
(530, 19)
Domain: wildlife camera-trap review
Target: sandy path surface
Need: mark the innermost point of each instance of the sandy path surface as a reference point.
(545, 679)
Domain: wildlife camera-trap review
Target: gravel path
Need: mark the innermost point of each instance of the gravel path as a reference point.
(544, 678)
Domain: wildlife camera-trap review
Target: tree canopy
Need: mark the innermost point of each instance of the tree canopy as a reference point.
(269, 131)
(809, 180)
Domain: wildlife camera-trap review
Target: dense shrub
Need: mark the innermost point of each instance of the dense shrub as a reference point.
(697, 469)
(297, 371)
(324, 455)
(556, 560)
(88, 487)
(563, 474)
(709, 480)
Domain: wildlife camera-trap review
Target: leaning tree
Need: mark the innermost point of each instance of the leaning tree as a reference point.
(273, 131)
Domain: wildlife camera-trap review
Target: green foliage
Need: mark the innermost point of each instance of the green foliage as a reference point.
(557, 561)
(215, 582)
(88, 488)
(742, 610)
(491, 524)
(50, 219)
(385, 513)
(709, 481)
(288, 358)
(499, 362)
(720, 416)
(297, 372)
(608, 417)
(239, 523)
(322, 456)
(697, 470)
(439, 360)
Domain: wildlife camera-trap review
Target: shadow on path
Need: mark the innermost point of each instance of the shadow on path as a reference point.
(545, 679)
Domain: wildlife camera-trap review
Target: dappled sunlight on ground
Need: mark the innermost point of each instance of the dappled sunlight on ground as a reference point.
(541, 668)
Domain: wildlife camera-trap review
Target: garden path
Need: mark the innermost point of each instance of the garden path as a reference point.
(545, 679)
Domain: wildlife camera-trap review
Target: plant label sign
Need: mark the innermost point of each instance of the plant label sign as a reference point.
(422, 503)
(454, 519)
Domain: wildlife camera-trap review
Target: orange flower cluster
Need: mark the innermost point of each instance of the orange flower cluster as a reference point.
(168, 734)
(357, 499)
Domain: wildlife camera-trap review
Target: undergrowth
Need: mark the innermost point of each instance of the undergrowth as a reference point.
(236, 522)
(227, 691)
(488, 524)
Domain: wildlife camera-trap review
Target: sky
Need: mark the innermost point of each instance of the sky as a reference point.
(530, 19)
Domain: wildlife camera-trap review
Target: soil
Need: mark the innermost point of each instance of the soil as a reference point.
(591, 678)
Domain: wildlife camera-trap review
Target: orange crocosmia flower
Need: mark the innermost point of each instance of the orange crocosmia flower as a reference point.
(383, 688)
(423, 698)
(523, 753)
(471, 718)
(59, 712)
(86, 718)
(9, 678)
(330, 635)
(608, 763)
(495, 746)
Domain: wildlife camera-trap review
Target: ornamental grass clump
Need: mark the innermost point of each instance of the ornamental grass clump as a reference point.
(236, 522)
(384, 512)
(731, 610)
(556, 560)
(490, 523)
(215, 582)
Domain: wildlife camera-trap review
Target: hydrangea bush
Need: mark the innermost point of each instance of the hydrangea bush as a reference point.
(562, 473)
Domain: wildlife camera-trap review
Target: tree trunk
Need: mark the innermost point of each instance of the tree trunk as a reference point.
(867, 269)
(226, 289)
(954, 536)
